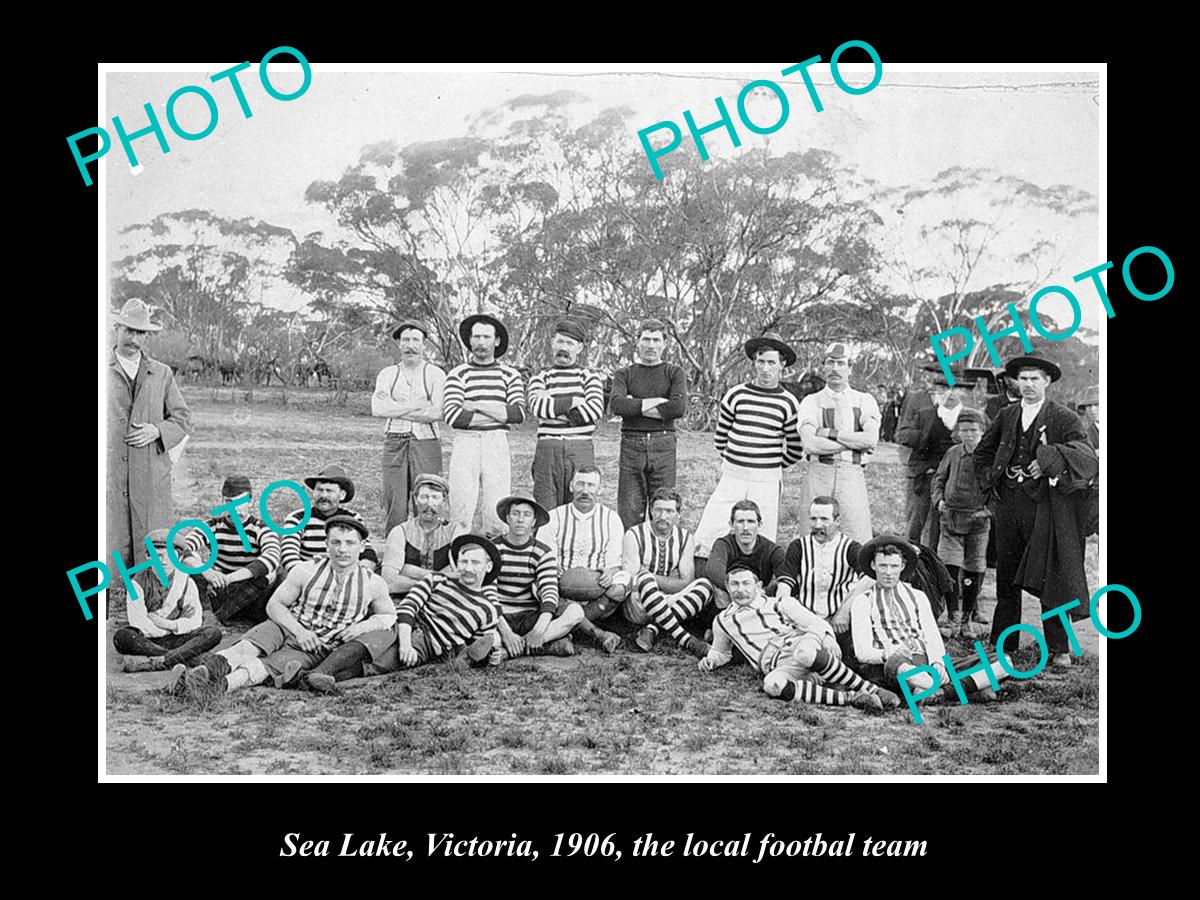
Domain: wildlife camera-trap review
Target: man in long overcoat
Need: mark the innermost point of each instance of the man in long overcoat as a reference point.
(147, 416)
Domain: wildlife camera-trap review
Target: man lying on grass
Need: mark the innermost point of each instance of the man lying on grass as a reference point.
(794, 649)
(321, 605)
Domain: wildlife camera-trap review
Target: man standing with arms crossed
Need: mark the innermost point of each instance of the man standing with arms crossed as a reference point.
(409, 396)
(649, 396)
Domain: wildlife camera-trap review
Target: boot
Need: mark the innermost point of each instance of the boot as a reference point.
(143, 664)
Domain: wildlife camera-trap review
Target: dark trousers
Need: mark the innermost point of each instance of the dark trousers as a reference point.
(1015, 514)
(647, 463)
(404, 458)
(555, 461)
(921, 526)
(245, 601)
(173, 648)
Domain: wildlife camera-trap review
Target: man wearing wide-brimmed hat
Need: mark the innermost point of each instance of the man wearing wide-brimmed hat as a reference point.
(409, 395)
(1089, 413)
(757, 438)
(840, 429)
(420, 545)
(147, 417)
(568, 400)
(1036, 460)
(239, 583)
(330, 488)
(482, 399)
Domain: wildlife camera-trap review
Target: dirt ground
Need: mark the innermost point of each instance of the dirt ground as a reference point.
(630, 713)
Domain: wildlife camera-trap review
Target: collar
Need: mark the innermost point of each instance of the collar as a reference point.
(1037, 405)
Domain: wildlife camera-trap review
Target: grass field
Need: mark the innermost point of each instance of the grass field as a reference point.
(629, 714)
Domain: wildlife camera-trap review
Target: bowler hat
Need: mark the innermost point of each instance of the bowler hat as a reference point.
(540, 516)
(349, 522)
(464, 540)
(771, 340)
(866, 556)
(410, 323)
(136, 315)
(1091, 398)
(235, 486)
(335, 474)
(464, 331)
(1013, 367)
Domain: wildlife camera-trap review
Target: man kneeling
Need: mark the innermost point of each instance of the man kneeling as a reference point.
(437, 618)
(793, 648)
(323, 603)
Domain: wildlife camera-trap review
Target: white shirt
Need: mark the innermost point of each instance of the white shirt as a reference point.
(949, 415)
(395, 387)
(129, 365)
(843, 403)
(1029, 412)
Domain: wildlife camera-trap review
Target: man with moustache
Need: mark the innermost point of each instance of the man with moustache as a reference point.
(1036, 460)
(927, 430)
(757, 439)
(568, 399)
(840, 429)
(659, 557)
(147, 417)
(420, 545)
(648, 396)
(586, 538)
(482, 399)
(409, 396)
(322, 604)
(535, 620)
(330, 488)
(743, 545)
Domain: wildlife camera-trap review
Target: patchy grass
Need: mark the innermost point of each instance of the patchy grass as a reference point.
(630, 713)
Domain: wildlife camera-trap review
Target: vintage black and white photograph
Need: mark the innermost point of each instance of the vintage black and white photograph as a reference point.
(522, 421)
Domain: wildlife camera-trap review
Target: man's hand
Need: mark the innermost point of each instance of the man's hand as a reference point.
(606, 577)
(351, 631)
(705, 665)
(536, 638)
(408, 656)
(367, 564)
(513, 642)
(823, 432)
(142, 434)
(470, 406)
(161, 621)
(212, 576)
(307, 641)
(829, 642)
(653, 413)
(1034, 469)
(841, 621)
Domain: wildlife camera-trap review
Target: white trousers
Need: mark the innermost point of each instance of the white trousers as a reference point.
(738, 483)
(846, 483)
(479, 461)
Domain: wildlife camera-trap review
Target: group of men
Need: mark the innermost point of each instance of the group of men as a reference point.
(829, 617)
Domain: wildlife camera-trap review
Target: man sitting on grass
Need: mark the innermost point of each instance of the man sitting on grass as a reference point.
(743, 545)
(321, 605)
(792, 647)
(436, 618)
(420, 545)
(164, 622)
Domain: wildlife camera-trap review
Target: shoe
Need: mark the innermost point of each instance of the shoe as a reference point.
(561, 647)
(1061, 661)
(889, 699)
(201, 686)
(176, 686)
(950, 626)
(987, 695)
(321, 683)
(867, 701)
(480, 649)
(143, 664)
(645, 639)
(609, 642)
(979, 618)
(291, 669)
(696, 647)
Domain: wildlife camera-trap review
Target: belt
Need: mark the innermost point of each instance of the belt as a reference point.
(625, 434)
(831, 460)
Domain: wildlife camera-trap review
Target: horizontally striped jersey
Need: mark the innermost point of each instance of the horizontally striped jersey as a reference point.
(584, 541)
(262, 558)
(753, 627)
(660, 556)
(757, 427)
(310, 543)
(492, 382)
(887, 619)
(528, 577)
(551, 393)
(820, 575)
(451, 614)
(326, 606)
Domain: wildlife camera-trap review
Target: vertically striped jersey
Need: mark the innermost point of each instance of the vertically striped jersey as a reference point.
(492, 382)
(757, 427)
(660, 556)
(751, 628)
(310, 543)
(262, 558)
(451, 614)
(895, 620)
(528, 577)
(584, 541)
(820, 575)
(326, 606)
(551, 393)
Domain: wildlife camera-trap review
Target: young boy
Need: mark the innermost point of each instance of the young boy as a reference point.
(965, 519)
(164, 622)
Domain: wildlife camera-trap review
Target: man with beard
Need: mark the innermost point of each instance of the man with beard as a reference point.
(757, 439)
(420, 545)
(745, 546)
(659, 557)
(535, 620)
(648, 396)
(436, 618)
(481, 400)
(322, 604)
(330, 488)
(818, 569)
(568, 399)
(587, 540)
(1036, 460)
(147, 417)
(409, 396)
(792, 648)
(840, 428)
